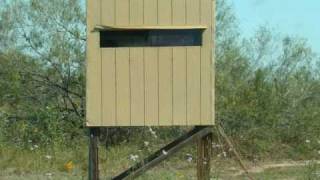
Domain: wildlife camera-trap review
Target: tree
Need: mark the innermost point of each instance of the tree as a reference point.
(44, 44)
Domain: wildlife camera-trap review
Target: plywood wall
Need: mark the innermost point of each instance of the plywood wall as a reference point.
(150, 86)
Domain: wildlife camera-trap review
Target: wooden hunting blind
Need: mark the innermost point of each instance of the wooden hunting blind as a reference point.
(150, 63)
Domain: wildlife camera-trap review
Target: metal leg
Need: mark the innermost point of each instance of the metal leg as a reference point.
(93, 154)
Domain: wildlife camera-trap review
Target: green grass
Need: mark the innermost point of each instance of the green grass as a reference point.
(21, 164)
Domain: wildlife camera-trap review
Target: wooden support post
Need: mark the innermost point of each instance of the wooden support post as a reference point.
(93, 154)
(204, 157)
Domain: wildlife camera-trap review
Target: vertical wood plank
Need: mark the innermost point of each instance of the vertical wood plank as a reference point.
(137, 68)
(165, 67)
(179, 12)
(123, 87)
(122, 12)
(213, 32)
(151, 68)
(179, 68)
(93, 91)
(193, 85)
(164, 12)
(165, 86)
(137, 88)
(136, 12)
(193, 12)
(108, 12)
(151, 86)
(206, 63)
(150, 12)
(108, 69)
(193, 68)
(179, 86)
(108, 87)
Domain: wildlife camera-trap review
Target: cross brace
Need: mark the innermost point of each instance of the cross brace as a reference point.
(198, 133)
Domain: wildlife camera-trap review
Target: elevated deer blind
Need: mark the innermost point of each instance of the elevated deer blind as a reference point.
(150, 62)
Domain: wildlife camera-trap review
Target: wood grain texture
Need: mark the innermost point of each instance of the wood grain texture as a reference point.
(136, 12)
(108, 12)
(137, 69)
(179, 12)
(150, 9)
(165, 67)
(179, 68)
(122, 8)
(206, 64)
(165, 86)
(213, 30)
(204, 152)
(179, 86)
(164, 12)
(193, 86)
(93, 91)
(151, 86)
(123, 87)
(109, 103)
(193, 68)
(151, 68)
(108, 62)
(137, 86)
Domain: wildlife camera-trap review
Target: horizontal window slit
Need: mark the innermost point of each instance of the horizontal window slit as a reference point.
(151, 38)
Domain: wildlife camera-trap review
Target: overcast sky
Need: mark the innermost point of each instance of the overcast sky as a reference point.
(294, 17)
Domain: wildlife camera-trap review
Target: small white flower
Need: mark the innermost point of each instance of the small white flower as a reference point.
(29, 141)
(153, 132)
(48, 157)
(134, 157)
(155, 136)
(164, 152)
(49, 174)
(216, 145)
(224, 154)
(31, 148)
(36, 146)
(189, 157)
(146, 143)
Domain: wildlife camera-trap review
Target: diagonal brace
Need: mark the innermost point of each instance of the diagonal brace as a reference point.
(165, 152)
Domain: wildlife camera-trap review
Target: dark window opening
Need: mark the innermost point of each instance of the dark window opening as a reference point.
(151, 38)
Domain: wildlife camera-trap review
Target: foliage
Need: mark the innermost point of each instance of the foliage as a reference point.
(267, 90)
(43, 77)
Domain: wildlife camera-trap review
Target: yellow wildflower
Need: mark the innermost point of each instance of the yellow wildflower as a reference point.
(69, 166)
